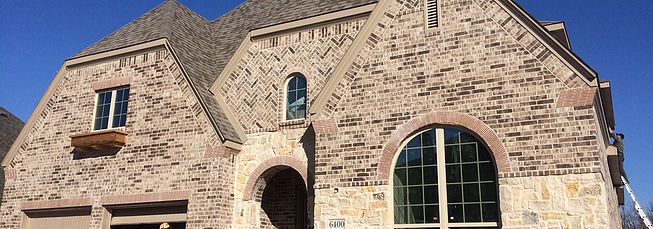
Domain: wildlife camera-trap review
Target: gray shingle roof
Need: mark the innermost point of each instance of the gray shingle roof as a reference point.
(203, 47)
(10, 127)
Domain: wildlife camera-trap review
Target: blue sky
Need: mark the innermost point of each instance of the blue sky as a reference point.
(612, 37)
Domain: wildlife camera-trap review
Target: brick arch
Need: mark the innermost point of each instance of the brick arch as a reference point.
(271, 165)
(497, 150)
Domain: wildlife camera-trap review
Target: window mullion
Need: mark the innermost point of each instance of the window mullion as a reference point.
(112, 106)
(442, 178)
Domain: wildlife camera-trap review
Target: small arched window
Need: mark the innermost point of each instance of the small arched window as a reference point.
(296, 97)
(445, 178)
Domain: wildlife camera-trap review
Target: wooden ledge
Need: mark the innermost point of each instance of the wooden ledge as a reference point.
(99, 140)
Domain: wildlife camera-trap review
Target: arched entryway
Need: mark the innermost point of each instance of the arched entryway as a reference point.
(283, 200)
(278, 187)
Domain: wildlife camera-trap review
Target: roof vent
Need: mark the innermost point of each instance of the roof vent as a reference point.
(432, 14)
(3, 114)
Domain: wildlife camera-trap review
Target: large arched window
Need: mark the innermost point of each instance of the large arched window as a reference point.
(296, 97)
(445, 178)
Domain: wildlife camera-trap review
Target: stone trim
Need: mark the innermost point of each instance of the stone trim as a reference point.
(145, 198)
(117, 82)
(325, 126)
(444, 118)
(52, 204)
(286, 161)
(576, 97)
(10, 174)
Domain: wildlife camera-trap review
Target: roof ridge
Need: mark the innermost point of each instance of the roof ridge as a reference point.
(130, 23)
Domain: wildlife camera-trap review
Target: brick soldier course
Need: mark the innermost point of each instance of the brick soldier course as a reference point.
(206, 125)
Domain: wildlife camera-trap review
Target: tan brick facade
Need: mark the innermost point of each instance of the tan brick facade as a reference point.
(481, 70)
(165, 153)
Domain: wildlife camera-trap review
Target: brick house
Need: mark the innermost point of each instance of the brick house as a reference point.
(352, 113)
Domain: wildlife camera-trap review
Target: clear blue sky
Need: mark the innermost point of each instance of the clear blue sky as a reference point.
(613, 37)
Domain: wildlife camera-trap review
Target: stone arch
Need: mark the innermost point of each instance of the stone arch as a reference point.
(270, 167)
(468, 122)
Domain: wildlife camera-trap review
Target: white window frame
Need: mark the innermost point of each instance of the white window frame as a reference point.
(442, 187)
(112, 105)
(285, 104)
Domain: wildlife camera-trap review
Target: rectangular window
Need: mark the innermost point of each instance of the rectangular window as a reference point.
(111, 109)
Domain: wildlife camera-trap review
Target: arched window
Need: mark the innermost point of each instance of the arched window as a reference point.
(296, 97)
(445, 178)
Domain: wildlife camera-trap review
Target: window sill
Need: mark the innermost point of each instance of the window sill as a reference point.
(99, 140)
(293, 123)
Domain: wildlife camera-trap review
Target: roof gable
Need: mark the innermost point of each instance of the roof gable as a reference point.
(204, 48)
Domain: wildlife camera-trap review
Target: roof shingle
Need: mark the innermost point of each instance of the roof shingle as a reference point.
(203, 47)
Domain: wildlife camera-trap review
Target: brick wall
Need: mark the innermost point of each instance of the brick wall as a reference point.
(168, 137)
(480, 62)
(470, 65)
(255, 90)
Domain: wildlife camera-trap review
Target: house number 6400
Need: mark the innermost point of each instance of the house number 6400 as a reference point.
(336, 223)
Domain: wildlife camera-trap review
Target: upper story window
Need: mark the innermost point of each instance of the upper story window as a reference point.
(111, 108)
(296, 97)
(444, 178)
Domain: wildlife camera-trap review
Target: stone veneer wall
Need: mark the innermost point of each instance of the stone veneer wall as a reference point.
(168, 138)
(257, 150)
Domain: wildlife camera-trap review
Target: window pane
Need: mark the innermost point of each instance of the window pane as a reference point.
(414, 157)
(415, 195)
(454, 193)
(417, 214)
(489, 212)
(483, 155)
(472, 213)
(400, 177)
(430, 175)
(292, 98)
(452, 154)
(450, 136)
(471, 193)
(470, 173)
(102, 110)
(432, 214)
(292, 84)
(401, 214)
(414, 143)
(401, 160)
(429, 156)
(415, 176)
(120, 109)
(453, 173)
(468, 152)
(488, 192)
(301, 82)
(431, 194)
(456, 213)
(301, 96)
(466, 137)
(428, 138)
(486, 171)
(400, 196)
